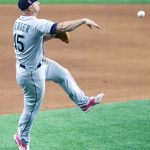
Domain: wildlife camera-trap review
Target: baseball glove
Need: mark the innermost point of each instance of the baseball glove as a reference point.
(63, 36)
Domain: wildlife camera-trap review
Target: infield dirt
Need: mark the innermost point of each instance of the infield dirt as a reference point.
(114, 60)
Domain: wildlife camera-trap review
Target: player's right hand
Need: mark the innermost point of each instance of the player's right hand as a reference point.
(91, 23)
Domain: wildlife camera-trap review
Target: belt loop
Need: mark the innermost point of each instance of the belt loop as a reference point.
(39, 65)
(22, 66)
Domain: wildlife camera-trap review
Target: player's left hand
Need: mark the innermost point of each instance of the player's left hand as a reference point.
(63, 36)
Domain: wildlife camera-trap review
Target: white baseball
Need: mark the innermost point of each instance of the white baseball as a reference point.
(141, 14)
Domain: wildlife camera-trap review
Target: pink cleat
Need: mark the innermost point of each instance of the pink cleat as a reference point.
(93, 101)
(21, 146)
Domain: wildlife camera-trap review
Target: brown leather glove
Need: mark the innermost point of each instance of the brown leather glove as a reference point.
(63, 36)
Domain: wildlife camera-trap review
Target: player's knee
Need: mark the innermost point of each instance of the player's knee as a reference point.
(67, 74)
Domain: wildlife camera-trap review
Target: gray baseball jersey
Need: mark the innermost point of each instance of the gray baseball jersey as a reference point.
(28, 39)
(32, 69)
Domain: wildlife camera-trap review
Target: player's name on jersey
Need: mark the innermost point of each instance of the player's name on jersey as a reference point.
(22, 27)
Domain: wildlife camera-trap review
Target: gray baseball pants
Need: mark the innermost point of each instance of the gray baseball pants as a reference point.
(32, 83)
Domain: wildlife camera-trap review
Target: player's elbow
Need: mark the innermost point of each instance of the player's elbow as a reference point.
(63, 27)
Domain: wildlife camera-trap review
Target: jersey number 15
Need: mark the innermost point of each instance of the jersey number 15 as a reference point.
(18, 42)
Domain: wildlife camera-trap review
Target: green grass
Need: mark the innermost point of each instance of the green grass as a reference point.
(83, 1)
(114, 126)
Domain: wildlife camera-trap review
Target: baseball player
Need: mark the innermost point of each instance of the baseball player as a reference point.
(33, 68)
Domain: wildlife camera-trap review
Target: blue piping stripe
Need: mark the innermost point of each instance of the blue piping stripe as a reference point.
(33, 106)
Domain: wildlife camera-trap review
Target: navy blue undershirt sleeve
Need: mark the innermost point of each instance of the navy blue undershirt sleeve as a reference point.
(53, 28)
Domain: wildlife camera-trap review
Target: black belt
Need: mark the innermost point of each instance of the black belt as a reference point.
(24, 67)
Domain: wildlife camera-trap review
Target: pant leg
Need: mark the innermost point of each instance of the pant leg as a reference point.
(33, 87)
(60, 75)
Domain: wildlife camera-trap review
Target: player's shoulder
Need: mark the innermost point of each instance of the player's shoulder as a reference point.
(43, 20)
